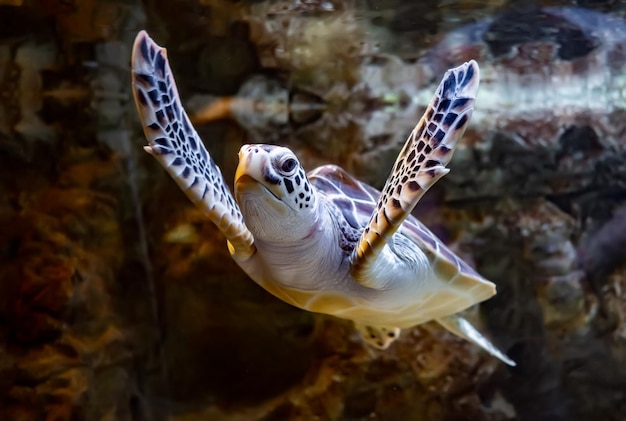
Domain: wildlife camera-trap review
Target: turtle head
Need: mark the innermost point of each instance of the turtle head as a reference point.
(276, 199)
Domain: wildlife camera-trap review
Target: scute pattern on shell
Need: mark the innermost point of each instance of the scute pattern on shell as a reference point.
(176, 145)
(357, 201)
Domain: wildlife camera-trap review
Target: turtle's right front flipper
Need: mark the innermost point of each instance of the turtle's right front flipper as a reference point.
(175, 144)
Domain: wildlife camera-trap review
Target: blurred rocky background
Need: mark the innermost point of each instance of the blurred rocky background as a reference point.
(118, 301)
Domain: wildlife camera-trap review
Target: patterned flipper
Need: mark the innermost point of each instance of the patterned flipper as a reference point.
(420, 164)
(175, 144)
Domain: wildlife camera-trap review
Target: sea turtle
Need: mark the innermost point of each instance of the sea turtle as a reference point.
(323, 241)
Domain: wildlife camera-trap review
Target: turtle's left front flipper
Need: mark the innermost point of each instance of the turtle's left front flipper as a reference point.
(176, 145)
(420, 164)
(461, 327)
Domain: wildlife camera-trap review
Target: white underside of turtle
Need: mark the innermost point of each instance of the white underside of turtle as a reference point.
(324, 241)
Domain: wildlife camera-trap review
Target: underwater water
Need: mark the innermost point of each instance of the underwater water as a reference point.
(119, 299)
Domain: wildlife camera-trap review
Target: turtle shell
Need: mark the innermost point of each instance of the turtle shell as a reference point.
(464, 287)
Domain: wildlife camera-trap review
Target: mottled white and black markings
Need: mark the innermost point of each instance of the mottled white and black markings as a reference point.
(298, 186)
(285, 170)
(170, 133)
(422, 160)
(288, 185)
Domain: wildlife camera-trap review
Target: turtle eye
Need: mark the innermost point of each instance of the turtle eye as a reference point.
(288, 165)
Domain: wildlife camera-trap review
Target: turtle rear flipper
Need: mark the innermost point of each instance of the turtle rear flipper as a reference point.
(420, 164)
(461, 327)
(378, 337)
(176, 145)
